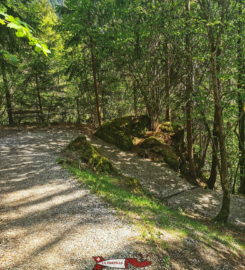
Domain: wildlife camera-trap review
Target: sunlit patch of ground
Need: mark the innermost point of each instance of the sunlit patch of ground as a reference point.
(47, 220)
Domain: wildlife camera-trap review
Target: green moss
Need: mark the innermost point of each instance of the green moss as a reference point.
(136, 126)
(121, 131)
(131, 184)
(150, 142)
(169, 156)
(170, 127)
(81, 151)
(115, 136)
(155, 148)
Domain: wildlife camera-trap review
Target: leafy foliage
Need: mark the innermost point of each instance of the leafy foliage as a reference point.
(23, 30)
(179, 61)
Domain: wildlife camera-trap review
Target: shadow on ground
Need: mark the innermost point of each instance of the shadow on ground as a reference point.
(168, 186)
(47, 222)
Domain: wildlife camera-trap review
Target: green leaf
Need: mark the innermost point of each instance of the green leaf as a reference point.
(214, 23)
(23, 31)
(10, 58)
(20, 33)
(14, 26)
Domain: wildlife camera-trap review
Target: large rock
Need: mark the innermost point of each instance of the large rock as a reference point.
(121, 131)
(81, 151)
(157, 150)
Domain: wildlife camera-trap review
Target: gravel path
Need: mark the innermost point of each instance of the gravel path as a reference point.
(168, 186)
(46, 220)
(158, 178)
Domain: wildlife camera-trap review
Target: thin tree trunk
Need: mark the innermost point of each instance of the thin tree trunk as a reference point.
(240, 101)
(94, 69)
(39, 99)
(189, 91)
(154, 121)
(213, 174)
(241, 115)
(150, 111)
(167, 83)
(7, 95)
(103, 104)
(135, 100)
(225, 182)
(78, 110)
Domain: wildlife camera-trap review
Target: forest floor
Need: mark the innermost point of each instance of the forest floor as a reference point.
(169, 187)
(49, 221)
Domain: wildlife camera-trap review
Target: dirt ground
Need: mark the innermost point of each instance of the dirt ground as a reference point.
(48, 221)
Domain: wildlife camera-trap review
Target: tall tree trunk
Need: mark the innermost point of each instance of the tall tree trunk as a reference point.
(213, 174)
(135, 100)
(96, 92)
(154, 120)
(153, 115)
(225, 182)
(151, 110)
(7, 95)
(214, 39)
(39, 99)
(77, 99)
(189, 91)
(167, 82)
(215, 144)
(240, 100)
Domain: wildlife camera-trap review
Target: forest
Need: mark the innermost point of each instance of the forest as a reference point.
(90, 63)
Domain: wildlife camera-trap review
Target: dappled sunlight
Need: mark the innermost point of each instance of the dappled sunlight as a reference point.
(185, 250)
(168, 186)
(37, 205)
(190, 252)
(156, 177)
(206, 203)
(172, 232)
(46, 220)
(56, 246)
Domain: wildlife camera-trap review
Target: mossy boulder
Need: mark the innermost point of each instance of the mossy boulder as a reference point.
(174, 135)
(170, 127)
(151, 142)
(174, 130)
(116, 136)
(132, 125)
(81, 151)
(121, 131)
(157, 150)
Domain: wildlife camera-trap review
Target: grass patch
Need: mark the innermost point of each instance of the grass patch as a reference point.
(158, 223)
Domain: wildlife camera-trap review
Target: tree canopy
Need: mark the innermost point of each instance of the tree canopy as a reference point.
(176, 61)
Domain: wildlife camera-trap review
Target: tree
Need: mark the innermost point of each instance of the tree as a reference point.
(189, 91)
(23, 30)
(214, 34)
(240, 95)
(86, 21)
(8, 44)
